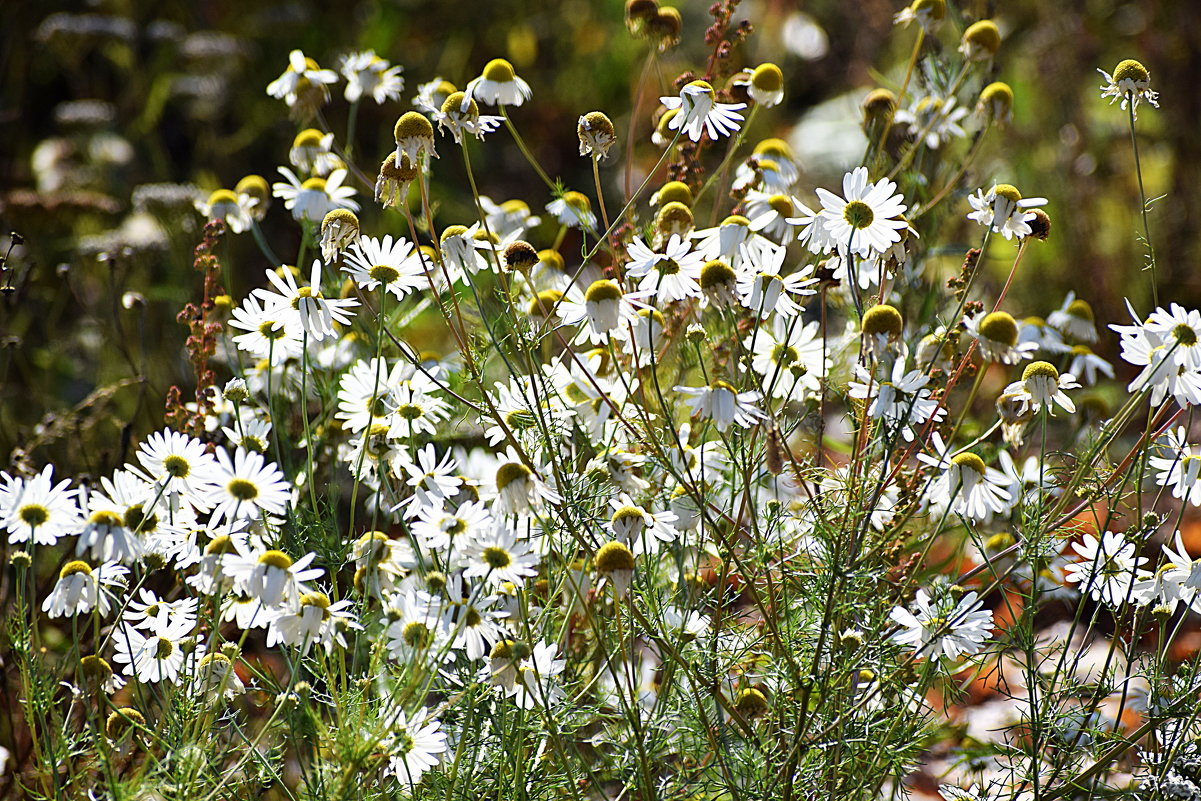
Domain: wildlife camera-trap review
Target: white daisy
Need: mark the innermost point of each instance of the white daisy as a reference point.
(302, 76)
(1131, 83)
(80, 588)
(368, 74)
(413, 745)
(499, 85)
(179, 463)
(672, 275)
(1075, 318)
(315, 313)
(866, 220)
(271, 577)
(966, 485)
(699, 112)
(1043, 386)
(499, 556)
(1179, 467)
(723, 404)
(573, 209)
(460, 114)
(312, 199)
(1109, 571)
(943, 628)
(156, 656)
(1003, 209)
(223, 204)
(271, 331)
(246, 486)
(38, 508)
(996, 336)
(313, 620)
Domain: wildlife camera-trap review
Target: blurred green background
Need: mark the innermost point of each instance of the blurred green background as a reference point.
(115, 113)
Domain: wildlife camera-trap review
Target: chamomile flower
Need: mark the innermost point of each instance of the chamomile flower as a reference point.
(499, 85)
(418, 631)
(38, 509)
(312, 152)
(721, 403)
(766, 85)
(272, 331)
(900, 403)
(105, 534)
(217, 677)
(671, 275)
(312, 199)
(499, 556)
(536, 682)
(1109, 570)
(965, 484)
(459, 114)
(639, 528)
(1183, 573)
(1003, 209)
(271, 576)
(769, 214)
(155, 656)
(1131, 83)
(304, 85)
(413, 745)
(734, 242)
(573, 209)
(80, 588)
(936, 119)
(313, 620)
(369, 75)
(1087, 365)
(177, 462)
(789, 357)
(996, 335)
(603, 309)
(223, 204)
(699, 112)
(866, 220)
(1179, 467)
(1181, 329)
(764, 291)
(943, 628)
(246, 486)
(596, 134)
(1075, 319)
(1042, 386)
(373, 263)
(315, 313)
(519, 489)
(145, 611)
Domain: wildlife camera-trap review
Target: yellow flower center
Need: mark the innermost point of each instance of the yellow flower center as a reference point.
(858, 214)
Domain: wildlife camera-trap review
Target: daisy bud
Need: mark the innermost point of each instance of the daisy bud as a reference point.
(122, 721)
(980, 41)
(339, 228)
(996, 102)
(255, 188)
(21, 560)
(639, 14)
(750, 702)
(696, 334)
(851, 639)
(520, 256)
(673, 192)
(414, 134)
(231, 650)
(665, 27)
(615, 562)
(596, 134)
(767, 85)
(673, 218)
(95, 672)
(719, 282)
(1040, 226)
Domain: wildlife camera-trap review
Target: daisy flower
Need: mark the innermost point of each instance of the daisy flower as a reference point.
(631, 524)
(223, 204)
(80, 588)
(769, 214)
(145, 611)
(1004, 210)
(866, 220)
(764, 291)
(935, 119)
(944, 628)
(1131, 83)
(373, 263)
(1109, 570)
(272, 332)
(460, 114)
(303, 85)
(313, 152)
(699, 112)
(672, 275)
(996, 335)
(105, 535)
(312, 199)
(1041, 386)
(723, 404)
(413, 745)
(246, 486)
(573, 209)
(418, 630)
(789, 357)
(1087, 365)
(314, 620)
(603, 309)
(519, 489)
(315, 313)
(965, 484)
(734, 242)
(217, 677)
(901, 402)
(271, 577)
(765, 85)
(535, 680)
(38, 509)
(155, 656)
(1048, 339)
(1183, 574)
(432, 94)
(1179, 467)
(596, 134)
(499, 85)
(499, 556)
(1179, 326)
(368, 74)
(1075, 319)
(178, 462)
